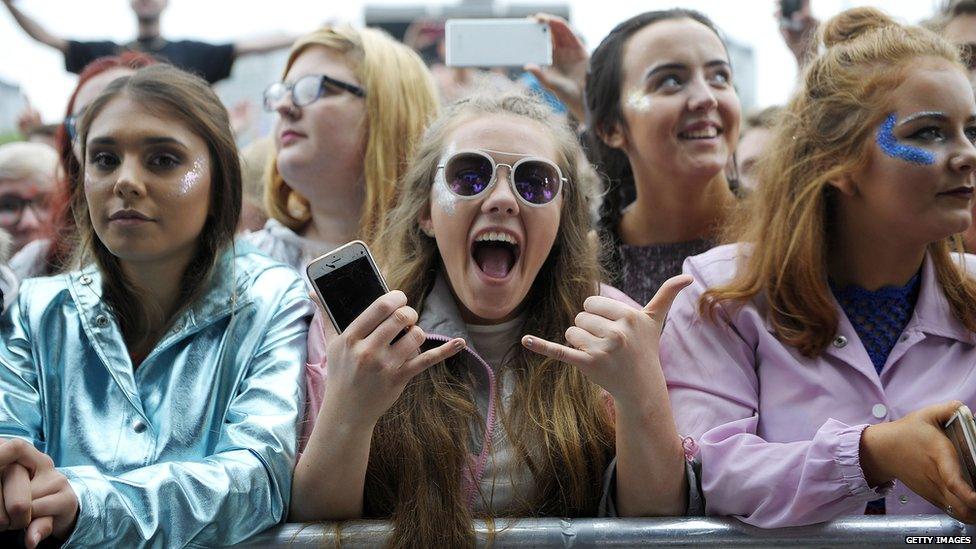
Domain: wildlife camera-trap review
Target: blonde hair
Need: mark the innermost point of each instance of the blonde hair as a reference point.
(558, 422)
(26, 160)
(400, 101)
(824, 133)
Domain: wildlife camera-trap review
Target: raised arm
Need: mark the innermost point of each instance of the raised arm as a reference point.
(366, 375)
(616, 346)
(262, 44)
(35, 30)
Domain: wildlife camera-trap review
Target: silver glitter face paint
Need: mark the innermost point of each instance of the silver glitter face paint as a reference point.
(191, 178)
(443, 197)
(638, 100)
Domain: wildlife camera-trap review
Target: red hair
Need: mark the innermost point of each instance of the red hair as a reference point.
(62, 230)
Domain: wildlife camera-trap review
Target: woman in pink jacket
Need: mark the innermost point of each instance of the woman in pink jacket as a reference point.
(489, 242)
(816, 362)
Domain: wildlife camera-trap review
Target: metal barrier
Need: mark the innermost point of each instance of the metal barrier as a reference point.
(675, 532)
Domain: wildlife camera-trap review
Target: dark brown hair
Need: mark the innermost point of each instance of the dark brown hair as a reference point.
(188, 99)
(602, 95)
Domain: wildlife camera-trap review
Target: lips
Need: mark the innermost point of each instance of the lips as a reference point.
(289, 136)
(963, 192)
(129, 214)
(496, 251)
(703, 129)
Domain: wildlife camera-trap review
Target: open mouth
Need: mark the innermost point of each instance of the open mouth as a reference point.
(495, 253)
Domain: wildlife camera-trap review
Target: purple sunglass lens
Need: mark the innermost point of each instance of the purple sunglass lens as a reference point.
(537, 182)
(469, 174)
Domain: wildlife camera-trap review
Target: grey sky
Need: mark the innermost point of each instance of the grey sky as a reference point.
(39, 70)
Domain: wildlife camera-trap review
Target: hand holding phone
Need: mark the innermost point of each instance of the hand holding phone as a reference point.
(961, 430)
(377, 351)
(914, 451)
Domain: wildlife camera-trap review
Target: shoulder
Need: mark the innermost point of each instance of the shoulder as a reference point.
(253, 269)
(716, 266)
(607, 290)
(278, 242)
(30, 260)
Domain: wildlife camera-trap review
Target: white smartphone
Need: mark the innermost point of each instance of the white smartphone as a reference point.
(497, 43)
(961, 430)
(347, 281)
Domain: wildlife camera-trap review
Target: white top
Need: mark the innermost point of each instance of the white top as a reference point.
(287, 246)
(500, 483)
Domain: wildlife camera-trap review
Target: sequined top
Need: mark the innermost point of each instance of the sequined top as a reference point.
(197, 445)
(644, 268)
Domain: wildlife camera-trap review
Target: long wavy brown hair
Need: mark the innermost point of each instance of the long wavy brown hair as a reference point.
(559, 423)
(189, 100)
(824, 133)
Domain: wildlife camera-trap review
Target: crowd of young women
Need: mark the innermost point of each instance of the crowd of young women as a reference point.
(174, 385)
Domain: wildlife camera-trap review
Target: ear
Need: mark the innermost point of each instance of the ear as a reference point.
(615, 137)
(426, 224)
(845, 184)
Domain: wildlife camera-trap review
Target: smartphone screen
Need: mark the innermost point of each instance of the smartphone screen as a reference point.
(349, 290)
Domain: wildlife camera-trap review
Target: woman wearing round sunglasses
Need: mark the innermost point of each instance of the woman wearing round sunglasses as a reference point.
(351, 105)
(488, 241)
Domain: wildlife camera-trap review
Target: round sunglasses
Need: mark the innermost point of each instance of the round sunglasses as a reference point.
(536, 181)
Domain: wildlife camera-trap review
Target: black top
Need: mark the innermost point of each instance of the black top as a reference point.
(212, 62)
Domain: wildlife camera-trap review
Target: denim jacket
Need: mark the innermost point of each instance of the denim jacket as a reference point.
(196, 446)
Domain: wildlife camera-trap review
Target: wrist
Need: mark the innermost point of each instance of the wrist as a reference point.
(873, 454)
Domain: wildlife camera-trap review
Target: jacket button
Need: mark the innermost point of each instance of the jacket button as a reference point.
(879, 410)
(903, 499)
(840, 342)
(101, 321)
(138, 426)
(85, 279)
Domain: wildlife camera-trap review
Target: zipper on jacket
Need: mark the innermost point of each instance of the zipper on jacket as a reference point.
(489, 420)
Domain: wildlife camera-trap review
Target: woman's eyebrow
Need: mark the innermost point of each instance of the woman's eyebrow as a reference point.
(935, 115)
(675, 66)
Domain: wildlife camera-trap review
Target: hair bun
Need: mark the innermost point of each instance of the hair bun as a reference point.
(852, 23)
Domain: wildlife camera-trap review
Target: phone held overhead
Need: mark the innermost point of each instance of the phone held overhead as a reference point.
(497, 43)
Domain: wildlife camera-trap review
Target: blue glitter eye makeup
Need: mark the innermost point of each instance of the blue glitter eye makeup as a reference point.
(890, 146)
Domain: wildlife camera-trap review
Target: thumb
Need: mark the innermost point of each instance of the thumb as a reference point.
(942, 412)
(660, 304)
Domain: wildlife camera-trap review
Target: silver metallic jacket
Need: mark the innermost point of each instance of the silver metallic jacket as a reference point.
(197, 445)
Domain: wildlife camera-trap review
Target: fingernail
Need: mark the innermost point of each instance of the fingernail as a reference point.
(529, 342)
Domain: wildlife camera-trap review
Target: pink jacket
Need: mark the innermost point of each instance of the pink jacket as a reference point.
(779, 433)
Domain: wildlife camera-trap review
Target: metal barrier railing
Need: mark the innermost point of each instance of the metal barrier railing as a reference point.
(720, 532)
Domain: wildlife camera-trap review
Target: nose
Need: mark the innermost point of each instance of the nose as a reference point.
(701, 96)
(964, 161)
(129, 183)
(28, 221)
(501, 199)
(285, 107)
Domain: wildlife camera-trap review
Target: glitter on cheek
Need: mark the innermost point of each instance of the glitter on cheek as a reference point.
(638, 100)
(890, 146)
(192, 178)
(443, 197)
